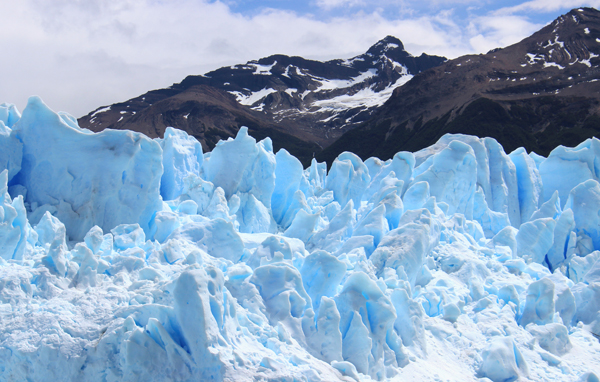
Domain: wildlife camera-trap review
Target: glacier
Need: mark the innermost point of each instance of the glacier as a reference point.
(125, 258)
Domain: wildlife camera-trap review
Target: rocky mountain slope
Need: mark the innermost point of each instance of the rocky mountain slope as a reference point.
(303, 105)
(538, 93)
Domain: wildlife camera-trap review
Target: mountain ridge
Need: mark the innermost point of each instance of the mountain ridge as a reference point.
(297, 99)
(537, 93)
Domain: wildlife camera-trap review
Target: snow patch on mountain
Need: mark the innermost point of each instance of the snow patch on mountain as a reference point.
(287, 71)
(587, 62)
(350, 62)
(331, 84)
(253, 97)
(101, 110)
(264, 69)
(553, 64)
(366, 97)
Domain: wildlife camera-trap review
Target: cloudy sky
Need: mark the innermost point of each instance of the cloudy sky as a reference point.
(79, 55)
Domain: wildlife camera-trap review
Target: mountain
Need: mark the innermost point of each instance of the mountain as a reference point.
(303, 105)
(538, 93)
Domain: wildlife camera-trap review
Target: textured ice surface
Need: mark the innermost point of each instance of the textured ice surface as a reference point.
(86, 179)
(129, 259)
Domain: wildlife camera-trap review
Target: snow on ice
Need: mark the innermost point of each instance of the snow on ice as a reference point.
(124, 258)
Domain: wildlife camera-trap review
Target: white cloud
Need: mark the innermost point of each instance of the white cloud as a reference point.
(489, 32)
(331, 4)
(548, 6)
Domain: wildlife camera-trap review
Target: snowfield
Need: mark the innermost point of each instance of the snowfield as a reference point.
(124, 258)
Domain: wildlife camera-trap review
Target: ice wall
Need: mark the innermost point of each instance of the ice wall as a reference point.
(82, 178)
(125, 259)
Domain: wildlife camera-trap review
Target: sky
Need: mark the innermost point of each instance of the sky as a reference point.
(79, 55)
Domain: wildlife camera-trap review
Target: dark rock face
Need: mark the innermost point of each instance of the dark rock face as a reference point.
(304, 105)
(538, 93)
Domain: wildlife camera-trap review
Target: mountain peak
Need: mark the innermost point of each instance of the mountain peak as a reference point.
(576, 20)
(389, 43)
(583, 12)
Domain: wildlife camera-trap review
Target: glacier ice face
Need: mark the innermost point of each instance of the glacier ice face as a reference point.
(583, 200)
(11, 149)
(452, 177)
(575, 165)
(86, 179)
(13, 222)
(529, 183)
(125, 258)
(502, 361)
(181, 157)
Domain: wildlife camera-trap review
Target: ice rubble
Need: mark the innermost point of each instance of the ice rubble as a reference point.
(126, 259)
